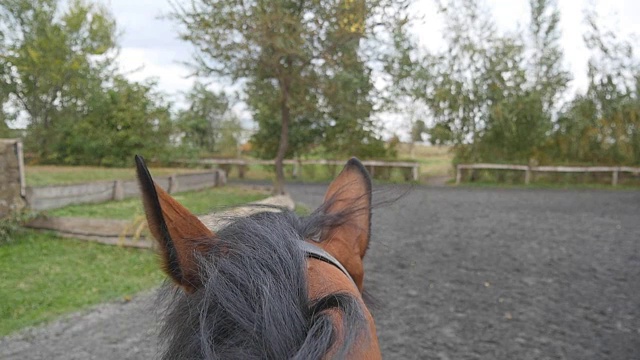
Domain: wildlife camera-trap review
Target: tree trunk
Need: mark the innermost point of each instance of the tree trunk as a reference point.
(278, 186)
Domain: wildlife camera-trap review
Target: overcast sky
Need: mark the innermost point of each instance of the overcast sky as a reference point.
(149, 43)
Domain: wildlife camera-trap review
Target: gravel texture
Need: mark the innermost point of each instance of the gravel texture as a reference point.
(459, 273)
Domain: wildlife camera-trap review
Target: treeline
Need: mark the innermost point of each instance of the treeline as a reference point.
(309, 76)
(58, 76)
(505, 97)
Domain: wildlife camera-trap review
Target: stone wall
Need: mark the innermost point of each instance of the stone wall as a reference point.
(12, 188)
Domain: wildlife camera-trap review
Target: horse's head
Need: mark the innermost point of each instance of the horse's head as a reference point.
(270, 285)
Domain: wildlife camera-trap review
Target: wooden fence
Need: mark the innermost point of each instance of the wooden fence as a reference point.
(614, 170)
(51, 197)
(369, 164)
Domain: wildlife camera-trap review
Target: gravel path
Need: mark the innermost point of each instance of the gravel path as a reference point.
(459, 274)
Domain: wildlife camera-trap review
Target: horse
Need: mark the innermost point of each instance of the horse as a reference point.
(270, 285)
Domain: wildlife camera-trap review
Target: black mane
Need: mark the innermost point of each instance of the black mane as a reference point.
(254, 302)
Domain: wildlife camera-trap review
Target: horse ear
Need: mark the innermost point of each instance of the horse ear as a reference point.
(349, 195)
(179, 233)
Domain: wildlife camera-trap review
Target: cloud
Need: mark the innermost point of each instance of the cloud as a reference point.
(140, 64)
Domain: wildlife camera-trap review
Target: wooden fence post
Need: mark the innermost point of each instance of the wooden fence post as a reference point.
(23, 181)
(458, 174)
(527, 175)
(614, 180)
(173, 184)
(415, 172)
(296, 169)
(118, 190)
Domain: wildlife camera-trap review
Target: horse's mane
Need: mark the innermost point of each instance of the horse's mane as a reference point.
(253, 303)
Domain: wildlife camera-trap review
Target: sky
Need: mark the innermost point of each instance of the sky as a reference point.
(150, 47)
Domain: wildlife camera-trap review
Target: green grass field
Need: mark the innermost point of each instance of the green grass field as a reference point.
(199, 202)
(44, 276)
(61, 175)
(435, 161)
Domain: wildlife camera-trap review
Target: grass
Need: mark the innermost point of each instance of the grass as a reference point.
(302, 209)
(64, 175)
(198, 202)
(309, 173)
(44, 276)
(435, 161)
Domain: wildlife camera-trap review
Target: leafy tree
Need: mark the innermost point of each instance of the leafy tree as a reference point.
(440, 134)
(231, 135)
(307, 125)
(347, 90)
(485, 93)
(201, 123)
(5, 117)
(602, 125)
(47, 56)
(126, 119)
(550, 78)
(450, 83)
(407, 70)
(281, 45)
(419, 128)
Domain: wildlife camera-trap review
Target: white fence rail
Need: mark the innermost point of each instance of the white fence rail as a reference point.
(51, 197)
(614, 170)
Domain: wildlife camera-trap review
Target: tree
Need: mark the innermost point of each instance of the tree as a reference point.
(550, 78)
(231, 135)
(46, 57)
(282, 44)
(201, 123)
(409, 80)
(440, 134)
(602, 125)
(347, 91)
(452, 84)
(419, 128)
(5, 117)
(487, 93)
(306, 120)
(126, 119)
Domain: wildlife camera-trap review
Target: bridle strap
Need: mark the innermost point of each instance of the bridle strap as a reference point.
(315, 252)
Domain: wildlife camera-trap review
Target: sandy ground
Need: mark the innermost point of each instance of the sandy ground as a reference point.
(459, 274)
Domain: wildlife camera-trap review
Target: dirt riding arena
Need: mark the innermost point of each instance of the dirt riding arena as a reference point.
(458, 274)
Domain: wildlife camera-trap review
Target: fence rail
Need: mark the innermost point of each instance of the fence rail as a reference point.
(370, 164)
(614, 170)
(51, 197)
